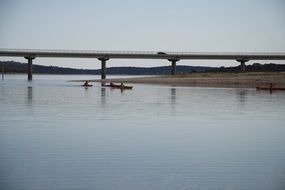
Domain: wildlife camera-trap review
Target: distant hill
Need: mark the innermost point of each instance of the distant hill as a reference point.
(16, 67)
(256, 67)
(164, 70)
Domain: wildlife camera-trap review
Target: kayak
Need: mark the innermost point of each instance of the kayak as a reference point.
(87, 85)
(117, 86)
(268, 88)
(271, 87)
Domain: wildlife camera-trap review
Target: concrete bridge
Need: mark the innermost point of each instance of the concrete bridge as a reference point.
(104, 56)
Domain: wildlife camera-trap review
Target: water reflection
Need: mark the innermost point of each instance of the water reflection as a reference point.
(103, 96)
(173, 98)
(173, 95)
(30, 95)
(86, 89)
(242, 95)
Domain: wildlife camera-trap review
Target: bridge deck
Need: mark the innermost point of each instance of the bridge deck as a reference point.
(140, 54)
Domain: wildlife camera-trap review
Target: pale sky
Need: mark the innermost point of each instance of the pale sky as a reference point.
(142, 25)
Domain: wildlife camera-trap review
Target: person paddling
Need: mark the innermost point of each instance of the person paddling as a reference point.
(86, 83)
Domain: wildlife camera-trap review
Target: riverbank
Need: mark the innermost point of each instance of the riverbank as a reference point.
(238, 80)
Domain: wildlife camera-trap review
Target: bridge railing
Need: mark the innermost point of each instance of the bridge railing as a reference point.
(138, 52)
(77, 51)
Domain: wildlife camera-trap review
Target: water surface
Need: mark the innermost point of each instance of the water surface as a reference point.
(58, 135)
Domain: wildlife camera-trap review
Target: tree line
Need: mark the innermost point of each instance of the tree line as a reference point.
(17, 67)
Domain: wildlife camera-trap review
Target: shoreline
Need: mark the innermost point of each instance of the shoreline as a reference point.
(230, 80)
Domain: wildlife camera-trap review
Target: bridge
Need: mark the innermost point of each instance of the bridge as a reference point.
(104, 56)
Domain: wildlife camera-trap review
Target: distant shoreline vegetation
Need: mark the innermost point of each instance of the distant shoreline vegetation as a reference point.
(17, 67)
(255, 67)
(12, 67)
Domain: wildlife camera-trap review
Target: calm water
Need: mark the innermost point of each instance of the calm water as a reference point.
(58, 135)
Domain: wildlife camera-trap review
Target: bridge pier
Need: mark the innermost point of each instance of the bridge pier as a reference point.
(242, 64)
(30, 67)
(173, 65)
(103, 67)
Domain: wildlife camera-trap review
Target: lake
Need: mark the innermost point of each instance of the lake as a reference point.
(55, 134)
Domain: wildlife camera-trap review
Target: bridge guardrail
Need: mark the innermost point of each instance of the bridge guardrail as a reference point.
(241, 54)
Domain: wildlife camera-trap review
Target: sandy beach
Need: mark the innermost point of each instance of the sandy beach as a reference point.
(236, 80)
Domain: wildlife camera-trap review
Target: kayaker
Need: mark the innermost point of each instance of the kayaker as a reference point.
(86, 83)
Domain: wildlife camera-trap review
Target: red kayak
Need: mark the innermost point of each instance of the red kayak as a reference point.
(271, 87)
(268, 88)
(120, 86)
(87, 85)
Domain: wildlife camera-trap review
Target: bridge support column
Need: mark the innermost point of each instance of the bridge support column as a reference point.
(30, 67)
(103, 67)
(173, 65)
(242, 64)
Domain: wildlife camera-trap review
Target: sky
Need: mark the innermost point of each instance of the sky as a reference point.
(142, 25)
